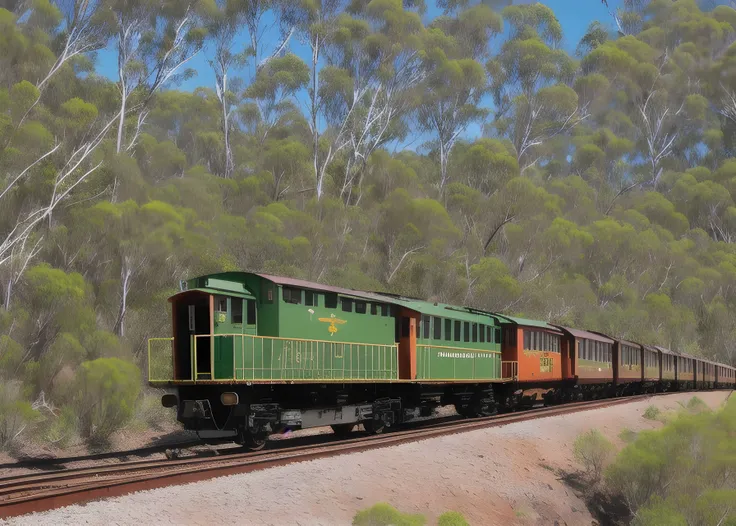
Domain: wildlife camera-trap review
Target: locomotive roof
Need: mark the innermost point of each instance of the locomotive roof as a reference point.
(577, 333)
(442, 310)
(293, 282)
(620, 340)
(504, 318)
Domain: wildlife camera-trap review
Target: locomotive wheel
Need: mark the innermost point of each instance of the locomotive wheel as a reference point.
(342, 430)
(465, 411)
(252, 442)
(374, 427)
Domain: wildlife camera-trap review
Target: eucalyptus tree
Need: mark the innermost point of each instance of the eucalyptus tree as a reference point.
(530, 82)
(273, 91)
(455, 80)
(315, 22)
(223, 25)
(153, 41)
(371, 82)
(227, 23)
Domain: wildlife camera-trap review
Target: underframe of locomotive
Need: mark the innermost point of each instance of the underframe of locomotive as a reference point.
(247, 414)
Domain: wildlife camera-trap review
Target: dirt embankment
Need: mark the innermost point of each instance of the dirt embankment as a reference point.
(500, 476)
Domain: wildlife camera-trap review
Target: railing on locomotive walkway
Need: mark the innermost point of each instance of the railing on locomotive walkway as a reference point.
(243, 357)
(439, 362)
(239, 357)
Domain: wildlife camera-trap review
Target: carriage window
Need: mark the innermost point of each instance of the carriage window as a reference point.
(292, 295)
(437, 326)
(221, 304)
(250, 315)
(482, 331)
(426, 326)
(266, 292)
(385, 311)
(489, 335)
(475, 332)
(466, 331)
(448, 330)
(405, 327)
(347, 305)
(311, 298)
(331, 300)
(374, 309)
(237, 306)
(360, 307)
(456, 333)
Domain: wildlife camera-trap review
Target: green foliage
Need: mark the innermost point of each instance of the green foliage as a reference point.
(652, 413)
(627, 435)
(106, 391)
(678, 474)
(593, 451)
(383, 514)
(451, 518)
(16, 415)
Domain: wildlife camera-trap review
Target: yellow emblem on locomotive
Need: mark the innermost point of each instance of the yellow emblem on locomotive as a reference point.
(332, 320)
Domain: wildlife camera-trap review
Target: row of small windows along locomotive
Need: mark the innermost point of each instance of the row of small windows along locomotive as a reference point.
(312, 299)
(428, 325)
(454, 330)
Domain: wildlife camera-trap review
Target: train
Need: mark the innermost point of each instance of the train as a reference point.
(251, 354)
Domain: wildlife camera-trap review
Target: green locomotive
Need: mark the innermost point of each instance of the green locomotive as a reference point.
(255, 353)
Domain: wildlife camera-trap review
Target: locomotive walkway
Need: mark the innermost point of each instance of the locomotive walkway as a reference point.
(44, 491)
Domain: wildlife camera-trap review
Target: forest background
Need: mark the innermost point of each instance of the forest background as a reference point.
(466, 157)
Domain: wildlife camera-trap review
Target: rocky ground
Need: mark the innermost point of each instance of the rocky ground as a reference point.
(507, 476)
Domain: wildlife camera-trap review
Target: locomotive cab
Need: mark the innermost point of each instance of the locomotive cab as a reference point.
(206, 321)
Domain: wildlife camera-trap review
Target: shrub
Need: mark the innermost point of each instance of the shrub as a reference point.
(675, 474)
(696, 405)
(651, 413)
(16, 414)
(451, 518)
(62, 430)
(106, 390)
(152, 414)
(593, 451)
(627, 435)
(383, 514)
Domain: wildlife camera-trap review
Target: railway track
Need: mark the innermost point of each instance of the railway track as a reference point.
(43, 491)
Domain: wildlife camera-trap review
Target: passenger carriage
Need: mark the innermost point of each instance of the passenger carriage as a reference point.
(668, 376)
(628, 374)
(589, 358)
(652, 374)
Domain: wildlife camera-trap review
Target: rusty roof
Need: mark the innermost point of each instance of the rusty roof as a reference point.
(620, 340)
(293, 282)
(577, 333)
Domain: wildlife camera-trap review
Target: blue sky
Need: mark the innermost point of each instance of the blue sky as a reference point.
(574, 15)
